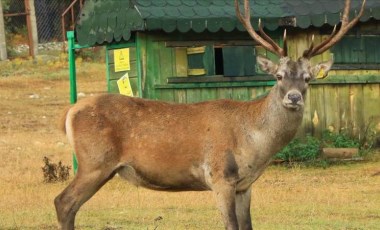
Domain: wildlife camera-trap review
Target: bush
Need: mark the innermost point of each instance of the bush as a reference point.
(338, 140)
(300, 150)
(309, 148)
(92, 54)
(55, 172)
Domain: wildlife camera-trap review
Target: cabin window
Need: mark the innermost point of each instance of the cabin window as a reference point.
(227, 61)
(357, 52)
(219, 61)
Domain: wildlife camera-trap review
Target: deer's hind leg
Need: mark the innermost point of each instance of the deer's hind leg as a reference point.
(97, 164)
(98, 158)
(81, 189)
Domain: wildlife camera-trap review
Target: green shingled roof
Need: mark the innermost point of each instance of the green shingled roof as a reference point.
(113, 20)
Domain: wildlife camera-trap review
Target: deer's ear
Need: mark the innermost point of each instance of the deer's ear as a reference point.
(267, 65)
(321, 69)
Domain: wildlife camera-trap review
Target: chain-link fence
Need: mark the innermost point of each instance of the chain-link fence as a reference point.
(48, 14)
(48, 19)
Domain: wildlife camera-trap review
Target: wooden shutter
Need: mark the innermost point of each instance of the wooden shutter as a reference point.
(239, 61)
(372, 49)
(195, 61)
(357, 50)
(201, 61)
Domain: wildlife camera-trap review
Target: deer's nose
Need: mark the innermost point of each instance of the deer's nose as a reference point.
(294, 97)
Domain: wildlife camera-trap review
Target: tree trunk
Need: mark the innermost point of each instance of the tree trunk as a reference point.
(3, 46)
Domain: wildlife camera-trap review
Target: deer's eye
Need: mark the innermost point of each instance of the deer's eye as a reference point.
(279, 77)
(307, 77)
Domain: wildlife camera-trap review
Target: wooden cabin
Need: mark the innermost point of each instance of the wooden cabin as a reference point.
(188, 51)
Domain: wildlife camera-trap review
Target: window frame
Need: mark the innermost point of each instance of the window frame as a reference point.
(257, 76)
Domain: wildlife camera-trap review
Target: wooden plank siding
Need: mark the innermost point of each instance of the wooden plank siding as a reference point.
(337, 107)
(114, 76)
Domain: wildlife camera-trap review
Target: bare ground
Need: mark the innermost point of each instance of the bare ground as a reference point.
(346, 196)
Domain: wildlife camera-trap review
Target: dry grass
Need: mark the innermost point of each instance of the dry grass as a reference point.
(339, 197)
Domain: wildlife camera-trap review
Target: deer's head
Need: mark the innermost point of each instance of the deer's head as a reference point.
(293, 76)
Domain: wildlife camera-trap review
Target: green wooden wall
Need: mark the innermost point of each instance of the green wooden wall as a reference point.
(114, 76)
(348, 100)
(351, 108)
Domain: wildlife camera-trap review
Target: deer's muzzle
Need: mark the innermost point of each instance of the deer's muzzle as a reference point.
(293, 100)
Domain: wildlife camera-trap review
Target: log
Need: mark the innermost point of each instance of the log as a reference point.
(341, 153)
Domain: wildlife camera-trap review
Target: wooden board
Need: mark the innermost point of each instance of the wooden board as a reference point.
(371, 105)
(224, 93)
(306, 126)
(193, 95)
(180, 96)
(240, 94)
(166, 95)
(152, 68)
(331, 108)
(356, 107)
(344, 108)
(208, 94)
(117, 75)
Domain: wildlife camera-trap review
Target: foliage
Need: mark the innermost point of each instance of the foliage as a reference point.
(5, 5)
(300, 150)
(13, 23)
(338, 140)
(371, 138)
(55, 172)
(308, 149)
(92, 54)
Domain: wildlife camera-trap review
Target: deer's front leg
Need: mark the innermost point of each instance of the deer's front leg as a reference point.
(243, 212)
(225, 198)
(224, 171)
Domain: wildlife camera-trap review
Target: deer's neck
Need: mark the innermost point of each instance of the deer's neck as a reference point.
(276, 122)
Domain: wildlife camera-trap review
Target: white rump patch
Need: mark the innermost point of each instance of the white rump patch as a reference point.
(69, 128)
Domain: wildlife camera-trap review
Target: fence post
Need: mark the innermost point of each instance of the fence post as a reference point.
(3, 46)
(73, 80)
(30, 29)
(31, 22)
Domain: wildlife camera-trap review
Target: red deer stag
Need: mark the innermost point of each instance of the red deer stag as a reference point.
(222, 145)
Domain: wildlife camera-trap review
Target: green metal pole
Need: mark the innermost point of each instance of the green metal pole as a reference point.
(73, 81)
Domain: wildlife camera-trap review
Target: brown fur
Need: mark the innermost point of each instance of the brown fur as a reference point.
(222, 145)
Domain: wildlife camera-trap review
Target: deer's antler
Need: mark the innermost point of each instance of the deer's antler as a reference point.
(264, 39)
(346, 25)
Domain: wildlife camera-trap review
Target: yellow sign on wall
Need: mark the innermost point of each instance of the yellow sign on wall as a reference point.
(121, 57)
(124, 85)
